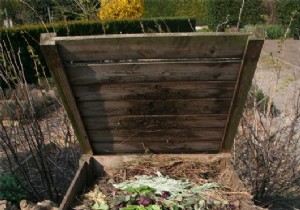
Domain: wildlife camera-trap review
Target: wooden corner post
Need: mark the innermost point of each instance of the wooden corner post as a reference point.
(250, 59)
(56, 65)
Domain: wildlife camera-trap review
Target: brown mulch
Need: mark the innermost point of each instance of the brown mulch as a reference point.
(196, 170)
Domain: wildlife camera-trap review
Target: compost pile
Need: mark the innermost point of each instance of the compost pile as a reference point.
(167, 183)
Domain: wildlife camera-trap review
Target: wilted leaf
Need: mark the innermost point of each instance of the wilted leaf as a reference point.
(155, 207)
(205, 187)
(100, 206)
(159, 184)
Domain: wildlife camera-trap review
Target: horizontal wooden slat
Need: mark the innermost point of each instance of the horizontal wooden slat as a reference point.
(157, 135)
(156, 147)
(82, 74)
(151, 107)
(155, 121)
(154, 91)
(145, 46)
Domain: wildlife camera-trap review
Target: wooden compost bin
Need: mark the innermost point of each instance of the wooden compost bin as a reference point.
(168, 93)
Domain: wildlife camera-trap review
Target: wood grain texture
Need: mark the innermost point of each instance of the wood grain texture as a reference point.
(157, 135)
(163, 93)
(152, 46)
(154, 91)
(157, 147)
(154, 107)
(81, 179)
(156, 121)
(56, 66)
(84, 74)
(251, 57)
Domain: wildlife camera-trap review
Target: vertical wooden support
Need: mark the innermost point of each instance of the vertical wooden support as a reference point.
(54, 61)
(246, 74)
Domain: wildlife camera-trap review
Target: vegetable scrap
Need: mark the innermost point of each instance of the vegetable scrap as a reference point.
(165, 184)
(155, 193)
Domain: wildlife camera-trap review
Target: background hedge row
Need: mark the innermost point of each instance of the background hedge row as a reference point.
(173, 8)
(225, 13)
(288, 12)
(26, 39)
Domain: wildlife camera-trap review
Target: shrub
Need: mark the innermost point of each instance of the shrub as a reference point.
(120, 9)
(175, 8)
(45, 172)
(258, 100)
(272, 31)
(269, 10)
(288, 14)
(160, 8)
(225, 13)
(194, 8)
(266, 152)
(10, 189)
(266, 149)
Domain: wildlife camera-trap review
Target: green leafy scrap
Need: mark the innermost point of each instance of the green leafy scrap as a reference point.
(157, 193)
(205, 187)
(144, 190)
(140, 207)
(158, 183)
(100, 206)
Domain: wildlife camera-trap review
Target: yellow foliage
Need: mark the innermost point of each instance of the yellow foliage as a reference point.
(120, 9)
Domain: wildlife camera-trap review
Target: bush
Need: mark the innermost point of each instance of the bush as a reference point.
(272, 31)
(269, 10)
(160, 8)
(258, 100)
(194, 8)
(10, 189)
(46, 171)
(225, 13)
(266, 152)
(288, 11)
(120, 9)
(266, 148)
(175, 8)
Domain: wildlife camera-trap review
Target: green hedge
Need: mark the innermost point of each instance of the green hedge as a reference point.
(219, 10)
(287, 9)
(272, 31)
(175, 8)
(26, 39)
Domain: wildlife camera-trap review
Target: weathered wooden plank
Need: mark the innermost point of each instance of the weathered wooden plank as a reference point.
(56, 66)
(82, 74)
(157, 147)
(157, 135)
(152, 46)
(154, 91)
(251, 57)
(153, 107)
(81, 179)
(155, 121)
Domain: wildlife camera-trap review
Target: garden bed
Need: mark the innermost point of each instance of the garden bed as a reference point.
(114, 182)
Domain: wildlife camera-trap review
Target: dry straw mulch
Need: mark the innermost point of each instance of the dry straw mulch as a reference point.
(198, 169)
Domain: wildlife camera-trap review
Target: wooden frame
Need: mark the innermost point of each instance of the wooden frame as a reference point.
(161, 93)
